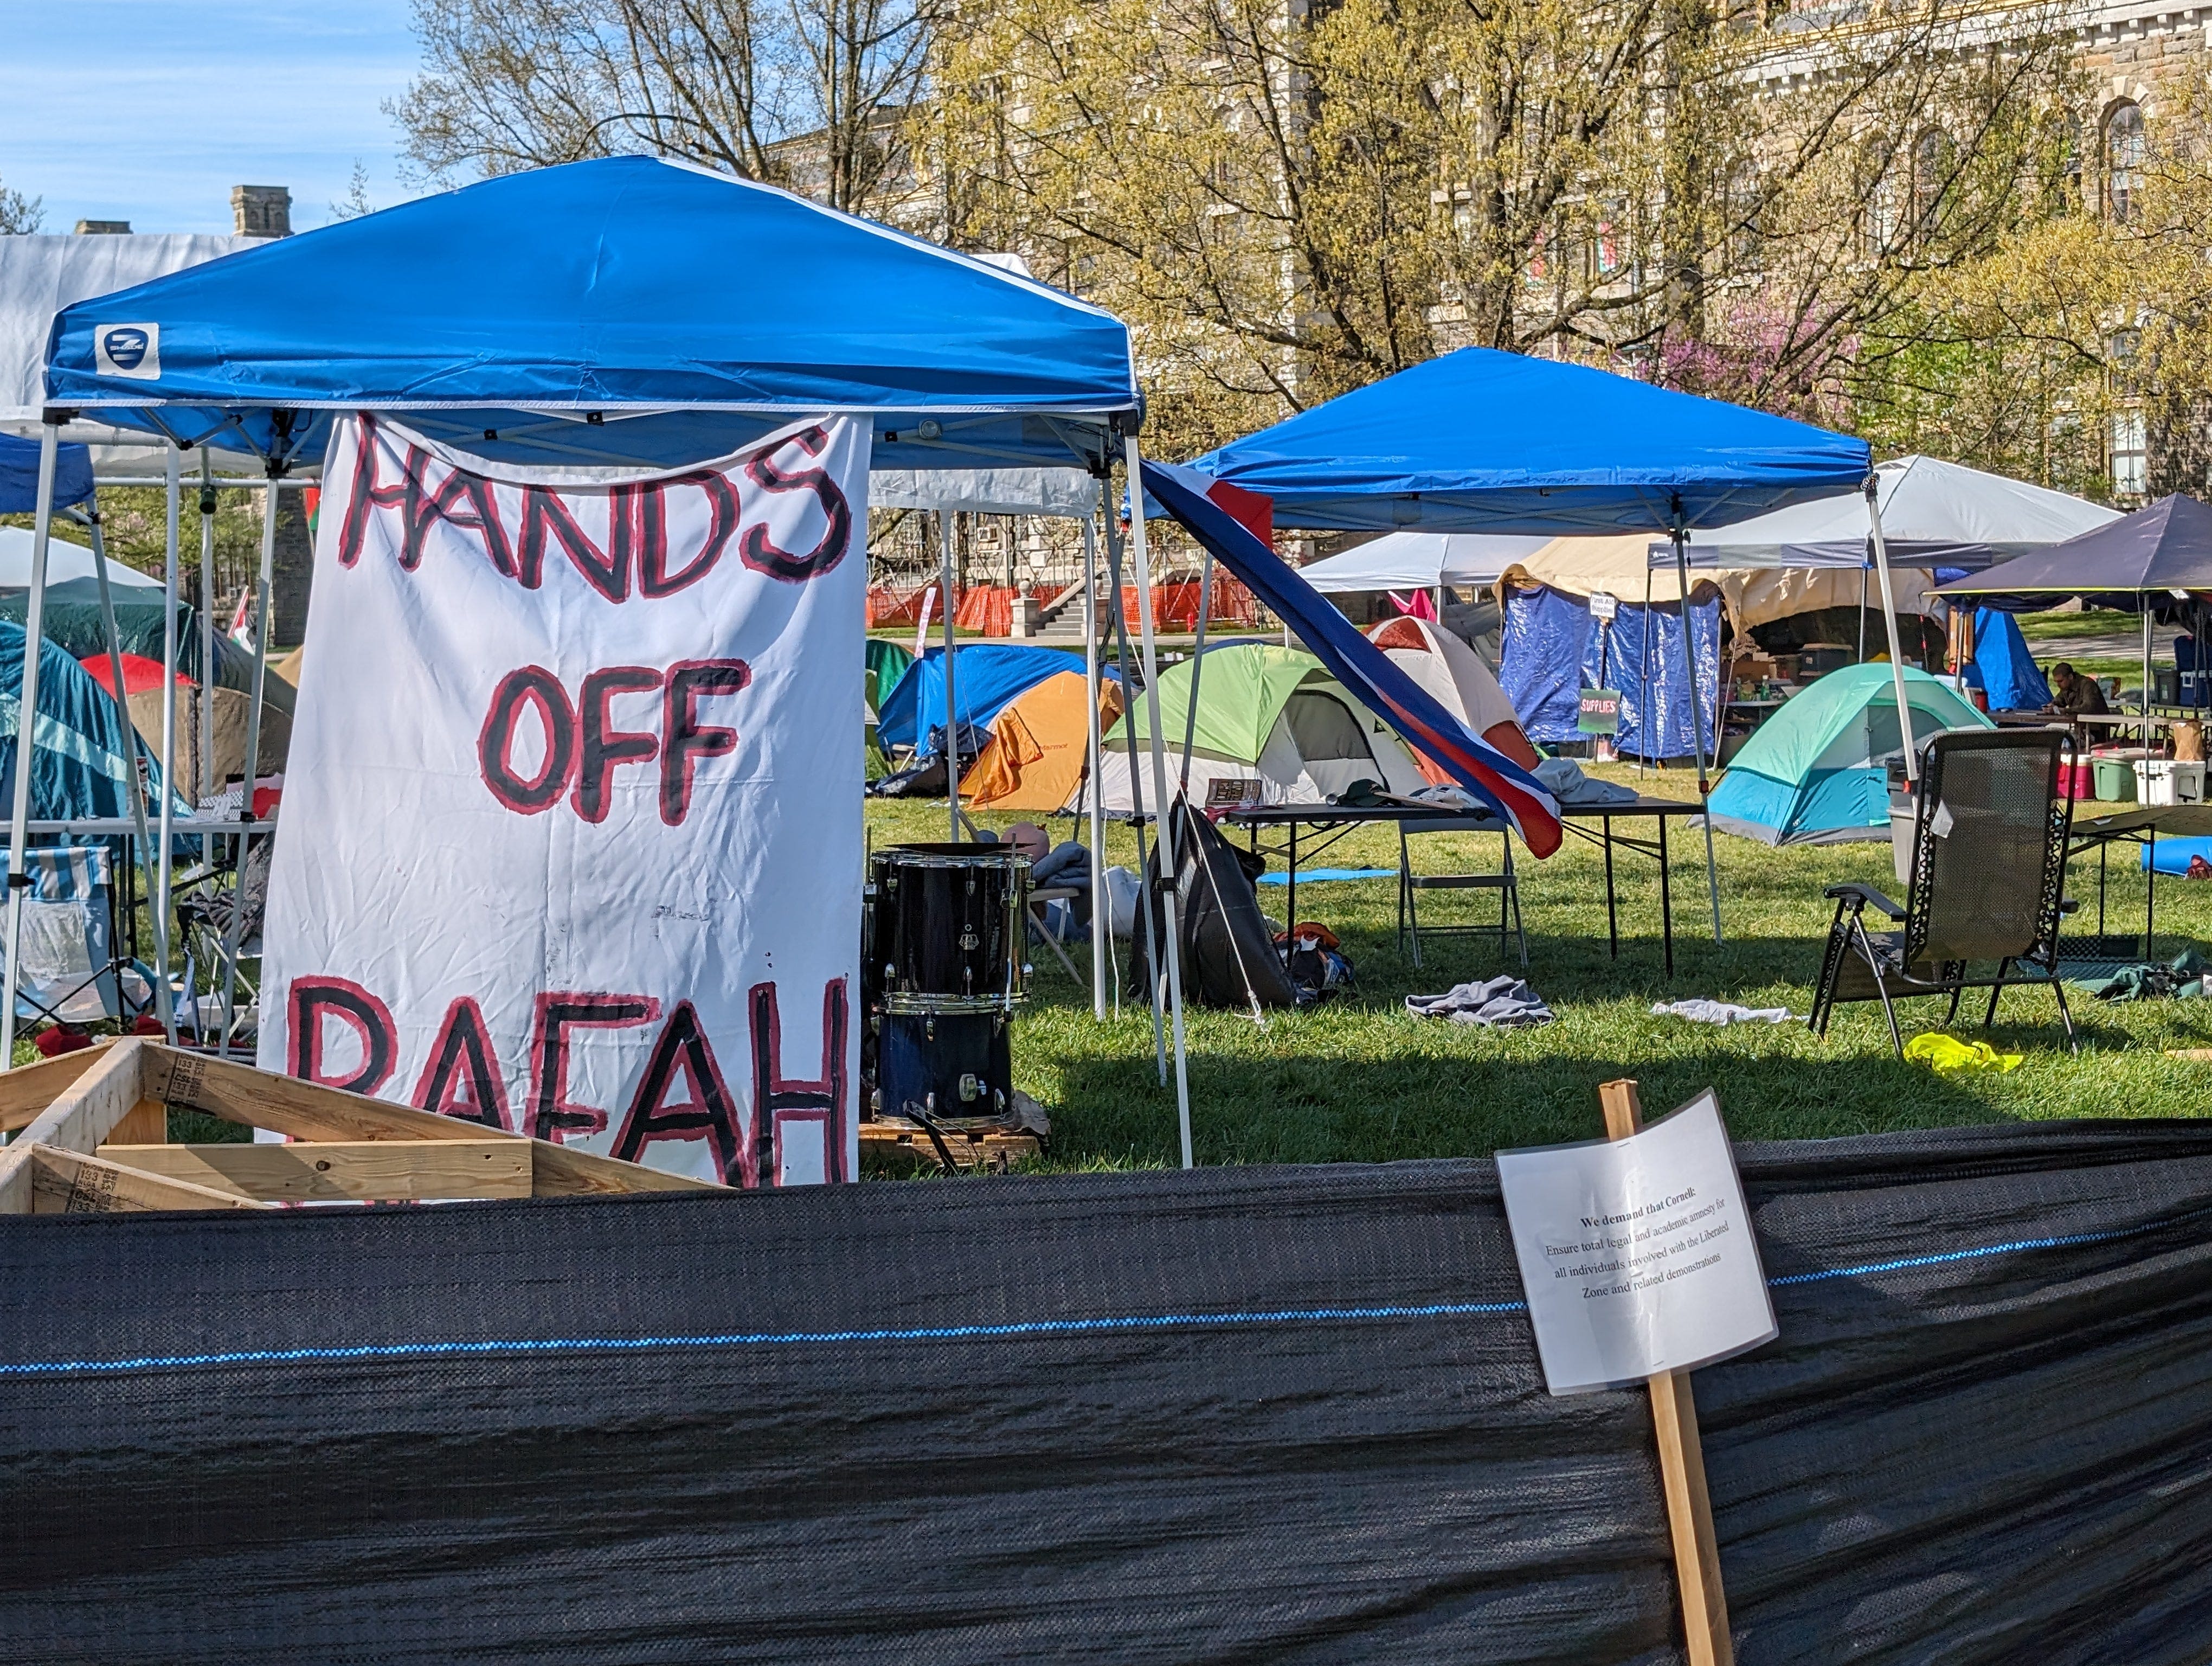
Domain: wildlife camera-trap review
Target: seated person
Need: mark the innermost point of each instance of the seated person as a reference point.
(1059, 866)
(2072, 695)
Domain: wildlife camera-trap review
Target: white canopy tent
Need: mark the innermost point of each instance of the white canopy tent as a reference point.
(1420, 561)
(1934, 513)
(64, 561)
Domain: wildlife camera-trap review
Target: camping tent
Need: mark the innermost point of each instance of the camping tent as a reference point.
(2001, 667)
(1816, 772)
(65, 561)
(985, 676)
(1268, 716)
(81, 761)
(1420, 561)
(1452, 672)
(887, 663)
(1035, 759)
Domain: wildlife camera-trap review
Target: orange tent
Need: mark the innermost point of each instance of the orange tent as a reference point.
(1451, 670)
(1035, 758)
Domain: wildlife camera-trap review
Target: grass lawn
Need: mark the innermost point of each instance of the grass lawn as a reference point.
(1361, 1080)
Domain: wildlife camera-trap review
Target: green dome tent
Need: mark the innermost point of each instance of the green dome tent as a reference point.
(1816, 772)
(1270, 717)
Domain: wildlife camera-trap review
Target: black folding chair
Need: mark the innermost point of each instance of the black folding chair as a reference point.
(1989, 863)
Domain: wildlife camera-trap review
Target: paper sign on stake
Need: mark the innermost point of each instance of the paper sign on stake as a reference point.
(1637, 1255)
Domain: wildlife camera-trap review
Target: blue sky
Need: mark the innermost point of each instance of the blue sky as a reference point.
(150, 110)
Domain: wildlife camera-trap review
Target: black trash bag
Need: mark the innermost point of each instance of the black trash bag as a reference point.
(1229, 959)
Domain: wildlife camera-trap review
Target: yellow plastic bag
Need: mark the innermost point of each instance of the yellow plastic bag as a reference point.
(1946, 1053)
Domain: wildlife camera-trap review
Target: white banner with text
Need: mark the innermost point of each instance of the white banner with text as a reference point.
(570, 842)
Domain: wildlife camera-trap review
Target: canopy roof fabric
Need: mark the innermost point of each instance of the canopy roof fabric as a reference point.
(2168, 546)
(1482, 441)
(1039, 746)
(1934, 513)
(64, 561)
(624, 311)
(1816, 772)
(1420, 561)
(1070, 493)
(19, 476)
(1620, 566)
(985, 676)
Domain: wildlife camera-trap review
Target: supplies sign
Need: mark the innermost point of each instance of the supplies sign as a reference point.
(1599, 712)
(569, 842)
(1637, 1255)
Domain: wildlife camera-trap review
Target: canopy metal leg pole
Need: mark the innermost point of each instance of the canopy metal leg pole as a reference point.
(1697, 716)
(19, 820)
(1889, 623)
(1169, 869)
(233, 934)
(208, 678)
(1137, 800)
(1863, 602)
(2146, 682)
(133, 787)
(164, 886)
(1643, 677)
(951, 723)
(1100, 925)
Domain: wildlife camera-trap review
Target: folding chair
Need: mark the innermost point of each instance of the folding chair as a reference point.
(1989, 863)
(1503, 882)
(68, 974)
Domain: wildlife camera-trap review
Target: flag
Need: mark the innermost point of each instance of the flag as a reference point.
(1487, 774)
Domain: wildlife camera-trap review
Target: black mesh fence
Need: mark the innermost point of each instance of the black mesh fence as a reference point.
(1239, 1415)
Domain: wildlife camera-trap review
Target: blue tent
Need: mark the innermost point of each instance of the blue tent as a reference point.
(1551, 653)
(985, 678)
(622, 310)
(19, 475)
(2002, 667)
(1483, 442)
(81, 746)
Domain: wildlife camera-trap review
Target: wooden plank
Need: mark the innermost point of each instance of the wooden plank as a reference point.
(81, 1116)
(1681, 1463)
(348, 1171)
(29, 1089)
(308, 1110)
(898, 1142)
(67, 1182)
(147, 1124)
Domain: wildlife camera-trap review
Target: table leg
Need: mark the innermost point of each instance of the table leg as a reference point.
(1291, 885)
(1666, 899)
(1612, 913)
(2104, 850)
(2150, 888)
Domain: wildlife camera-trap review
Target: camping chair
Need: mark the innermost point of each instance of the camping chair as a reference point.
(206, 899)
(68, 974)
(1410, 884)
(1989, 862)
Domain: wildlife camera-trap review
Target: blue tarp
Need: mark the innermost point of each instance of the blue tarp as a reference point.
(19, 475)
(626, 286)
(80, 756)
(985, 678)
(2003, 667)
(2171, 855)
(1483, 442)
(1551, 653)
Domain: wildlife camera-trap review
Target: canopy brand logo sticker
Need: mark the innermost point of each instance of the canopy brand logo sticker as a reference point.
(128, 350)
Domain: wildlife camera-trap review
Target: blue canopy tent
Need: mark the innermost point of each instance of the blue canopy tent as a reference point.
(626, 312)
(19, 475)
(1481, 440)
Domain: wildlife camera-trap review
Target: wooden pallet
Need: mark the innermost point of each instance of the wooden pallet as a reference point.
(91, 1132)
(895, 1143)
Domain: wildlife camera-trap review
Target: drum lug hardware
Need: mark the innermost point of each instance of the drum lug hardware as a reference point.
(970, 1089)
(969, 939)
(929, 1027)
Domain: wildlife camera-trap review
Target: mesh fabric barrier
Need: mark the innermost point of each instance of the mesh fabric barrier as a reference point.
(1242, 1414)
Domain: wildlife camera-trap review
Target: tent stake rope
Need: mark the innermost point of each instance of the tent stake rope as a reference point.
(134, 787)
(1136, 796)
(1134, 465)
(19, 819)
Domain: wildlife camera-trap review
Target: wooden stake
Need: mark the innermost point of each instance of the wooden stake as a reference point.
(1681, 1463)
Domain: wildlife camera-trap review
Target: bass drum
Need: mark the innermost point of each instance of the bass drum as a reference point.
(949, 1066)
(945, 927)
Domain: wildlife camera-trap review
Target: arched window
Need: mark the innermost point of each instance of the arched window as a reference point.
(1931, 173)
(2125, 151)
